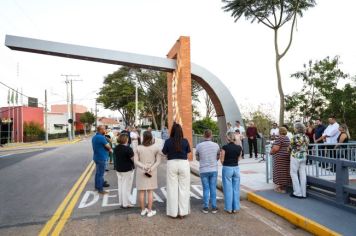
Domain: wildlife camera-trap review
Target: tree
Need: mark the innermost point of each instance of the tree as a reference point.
(153, 85)
(326, 91)
(206, 123)
(87, 118)
(262, 120)
(273, 14)
(118, 93)
(210, 109)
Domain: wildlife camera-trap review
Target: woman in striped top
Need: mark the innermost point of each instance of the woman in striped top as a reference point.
(281, 161)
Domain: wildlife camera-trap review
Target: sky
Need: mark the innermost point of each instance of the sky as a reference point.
(241, 54)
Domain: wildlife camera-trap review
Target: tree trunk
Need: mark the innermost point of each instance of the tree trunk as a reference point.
(163, 116)
(279, 80)
(153, 117)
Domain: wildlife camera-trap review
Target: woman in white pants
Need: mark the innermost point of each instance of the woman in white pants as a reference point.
(178, 173)
(124, 155)
(299, 148)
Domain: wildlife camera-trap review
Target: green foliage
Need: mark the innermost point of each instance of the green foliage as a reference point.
(272, 13)
(262, 119)
(326, 91)
(206, 123)
(118, 93)
(33, 129)
(87, 118)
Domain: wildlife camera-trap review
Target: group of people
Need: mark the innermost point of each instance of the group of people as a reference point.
(127, 156)
(143, 160)
(250, 133)
(208, 154)
(290, 151)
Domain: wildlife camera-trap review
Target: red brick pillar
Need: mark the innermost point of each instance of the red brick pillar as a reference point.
(179, 86)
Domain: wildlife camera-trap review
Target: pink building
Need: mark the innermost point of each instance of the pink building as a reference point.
(18, 116)
(62, 108)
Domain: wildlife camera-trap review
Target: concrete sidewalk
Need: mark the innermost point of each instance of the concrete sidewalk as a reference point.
(310, 214)
(51, 143)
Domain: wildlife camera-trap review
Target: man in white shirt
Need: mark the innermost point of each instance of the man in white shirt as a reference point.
(331, 132)
(274, 133)
(240, 128)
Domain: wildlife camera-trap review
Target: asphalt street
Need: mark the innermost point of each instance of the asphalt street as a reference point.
(34, 185)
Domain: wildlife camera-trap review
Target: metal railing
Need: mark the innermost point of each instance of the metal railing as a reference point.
(329, 171)
(344, 151)
(198, 138)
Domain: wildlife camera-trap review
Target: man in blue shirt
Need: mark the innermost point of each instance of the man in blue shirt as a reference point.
(101, 147)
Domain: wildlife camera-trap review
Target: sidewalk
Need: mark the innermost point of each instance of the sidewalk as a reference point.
(310, 214)
(51, 143)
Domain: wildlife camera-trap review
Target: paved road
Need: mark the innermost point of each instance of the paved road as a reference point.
(13, 156)
(32, 190)
(33, 184)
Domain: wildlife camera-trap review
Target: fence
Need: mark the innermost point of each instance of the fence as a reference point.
(261, 142)
(331, 173)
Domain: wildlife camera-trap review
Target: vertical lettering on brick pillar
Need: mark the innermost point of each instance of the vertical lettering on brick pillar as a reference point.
(179, 88)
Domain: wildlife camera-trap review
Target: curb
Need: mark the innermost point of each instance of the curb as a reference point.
(294, 218)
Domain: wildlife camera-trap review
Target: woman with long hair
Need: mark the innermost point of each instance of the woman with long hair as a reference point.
(147, 158)
(176, 148)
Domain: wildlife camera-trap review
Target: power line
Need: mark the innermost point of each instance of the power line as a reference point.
(18, 92)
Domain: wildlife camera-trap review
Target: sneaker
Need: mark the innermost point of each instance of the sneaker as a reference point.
(151, 213)
(144, 212)
(103, 192)
(205, 210)
(105, 185)
(214, 210)
(235, 211)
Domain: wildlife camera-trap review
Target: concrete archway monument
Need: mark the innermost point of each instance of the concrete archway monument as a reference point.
(180, 72)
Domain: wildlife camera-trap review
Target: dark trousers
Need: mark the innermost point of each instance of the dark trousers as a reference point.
(254, 143)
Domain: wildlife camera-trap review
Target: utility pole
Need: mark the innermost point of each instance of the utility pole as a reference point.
(136, 102)
(46, 118)
(96, 114)
(72, 108)
(69, 107)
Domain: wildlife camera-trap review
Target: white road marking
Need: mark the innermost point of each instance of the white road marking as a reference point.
(87, 195)
(90, 198)
(106, 198)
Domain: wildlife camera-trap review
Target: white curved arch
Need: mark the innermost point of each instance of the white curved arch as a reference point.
(225, 103)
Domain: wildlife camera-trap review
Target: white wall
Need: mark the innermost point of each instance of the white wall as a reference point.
(57, 119)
